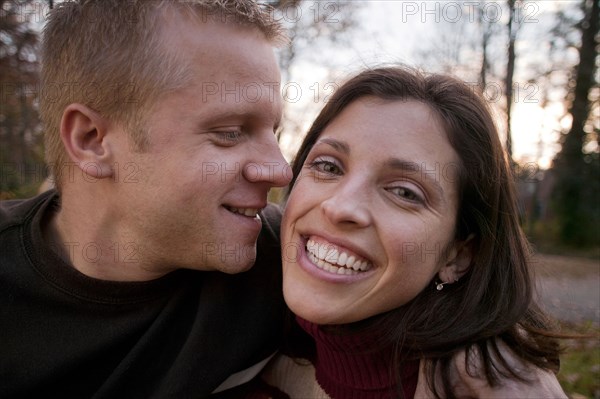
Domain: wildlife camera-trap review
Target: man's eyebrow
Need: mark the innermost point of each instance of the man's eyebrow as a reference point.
(338, 145)
(430, 176)
(224, 116)
(239, 115)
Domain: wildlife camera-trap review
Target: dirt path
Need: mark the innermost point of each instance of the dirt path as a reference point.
(569, 287)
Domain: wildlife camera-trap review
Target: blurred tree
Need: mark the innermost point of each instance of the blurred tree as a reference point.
(486, 28)
(550, 71)
(576, 194)
(513, 25)
(21, 154)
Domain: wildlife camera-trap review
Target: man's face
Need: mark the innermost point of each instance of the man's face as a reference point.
(191, 199)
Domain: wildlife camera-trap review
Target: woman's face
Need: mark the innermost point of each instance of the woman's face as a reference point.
(378, 193)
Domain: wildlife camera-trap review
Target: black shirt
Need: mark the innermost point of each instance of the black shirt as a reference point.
(64, 334)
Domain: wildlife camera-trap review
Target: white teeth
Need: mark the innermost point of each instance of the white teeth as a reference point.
(342, 259)
(350, 262)
(332, 256)
(328, 267)
(250, 212)
(321, 251)
(331, 259)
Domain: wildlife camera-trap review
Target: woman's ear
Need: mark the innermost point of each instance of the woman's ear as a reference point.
(83, 132)
(459, 260)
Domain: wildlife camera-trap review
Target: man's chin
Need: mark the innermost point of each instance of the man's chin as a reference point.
(239, 262)
(237, 268)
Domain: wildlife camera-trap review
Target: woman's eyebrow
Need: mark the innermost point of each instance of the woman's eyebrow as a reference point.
(338, 145)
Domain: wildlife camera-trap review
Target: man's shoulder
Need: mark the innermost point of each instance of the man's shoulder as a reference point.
(268, 255)
(271, 223)
(15, 212)
(271, 215)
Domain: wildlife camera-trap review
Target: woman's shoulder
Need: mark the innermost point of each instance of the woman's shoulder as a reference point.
(295, 377)
(467, 377)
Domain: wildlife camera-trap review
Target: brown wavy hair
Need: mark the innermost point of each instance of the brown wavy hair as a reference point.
(494, 302)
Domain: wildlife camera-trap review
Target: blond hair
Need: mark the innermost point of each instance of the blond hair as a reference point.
(109, 56)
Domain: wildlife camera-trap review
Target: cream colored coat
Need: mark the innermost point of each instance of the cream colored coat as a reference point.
(297, 379)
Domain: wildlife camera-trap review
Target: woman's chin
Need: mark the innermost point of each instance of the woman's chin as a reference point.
(315, 313)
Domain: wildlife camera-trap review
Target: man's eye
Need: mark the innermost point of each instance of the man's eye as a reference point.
(229, 137)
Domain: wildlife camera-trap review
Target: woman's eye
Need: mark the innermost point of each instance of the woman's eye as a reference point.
(405, 193)
(329, 167)
(325, 166)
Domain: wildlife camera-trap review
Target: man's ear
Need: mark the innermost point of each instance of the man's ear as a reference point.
(459, 260)
(83, 133)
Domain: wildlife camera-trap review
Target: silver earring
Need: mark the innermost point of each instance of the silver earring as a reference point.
(439, 285)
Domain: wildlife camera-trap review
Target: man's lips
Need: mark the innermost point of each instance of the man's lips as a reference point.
(249, 212)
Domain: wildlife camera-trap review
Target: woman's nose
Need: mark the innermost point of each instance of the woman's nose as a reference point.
(349, 204)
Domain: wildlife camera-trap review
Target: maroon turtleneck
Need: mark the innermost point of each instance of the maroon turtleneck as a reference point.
(348, 368)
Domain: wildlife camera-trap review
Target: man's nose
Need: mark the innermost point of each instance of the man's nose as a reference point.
(270, 166)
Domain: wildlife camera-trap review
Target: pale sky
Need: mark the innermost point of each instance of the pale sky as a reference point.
(402, 31)
(392, 31)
